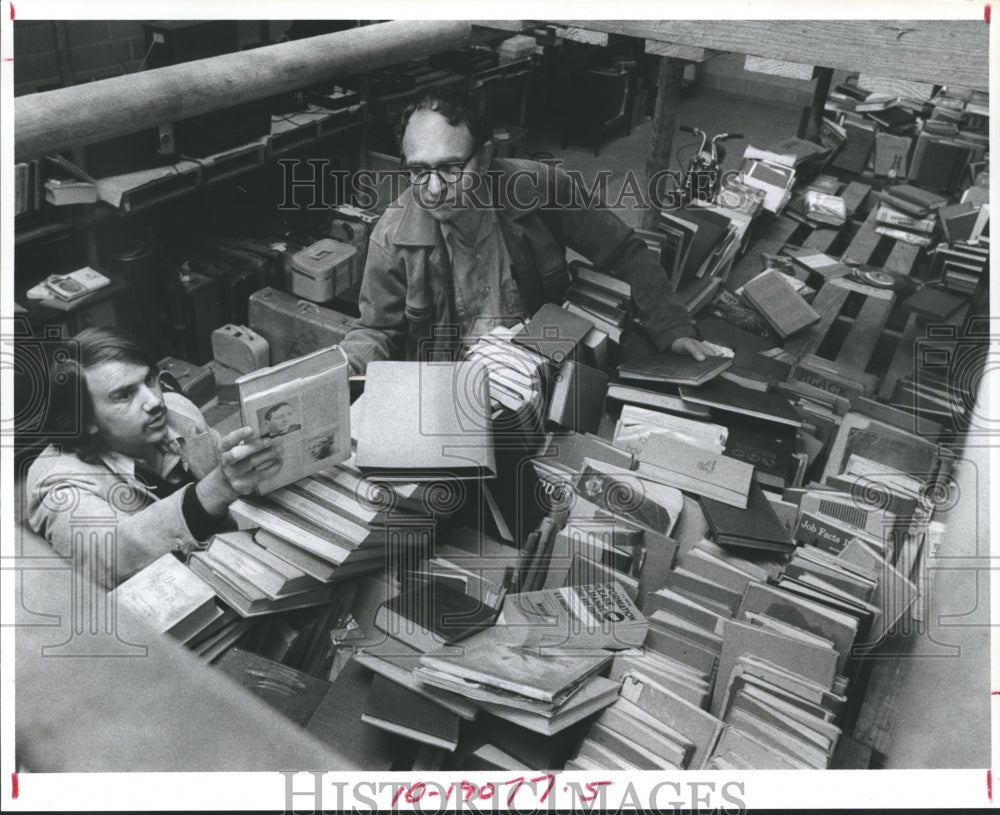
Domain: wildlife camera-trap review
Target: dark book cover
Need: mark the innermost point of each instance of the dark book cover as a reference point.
(292, 693)
(554, 333)
(768, 447)
(712, 228)
(395, 708)
(668, 367)
(853, 155)
(756, 527)
(577, 400)
(435, 611)
(719, 395)
(893, 118)
(337, 722)
(741, 341)
(785, 310)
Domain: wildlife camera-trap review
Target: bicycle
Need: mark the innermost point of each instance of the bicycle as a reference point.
(702, 177)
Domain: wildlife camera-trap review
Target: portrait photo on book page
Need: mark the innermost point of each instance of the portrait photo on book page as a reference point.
(543, 558)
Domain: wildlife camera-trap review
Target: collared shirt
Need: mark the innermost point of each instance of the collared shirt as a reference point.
(486, 294)
(172, 469)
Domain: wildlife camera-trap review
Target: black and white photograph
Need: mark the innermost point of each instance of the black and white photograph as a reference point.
(724, 284)
(279, 419)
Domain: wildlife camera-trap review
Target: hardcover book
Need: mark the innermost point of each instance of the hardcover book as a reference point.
(668, 367)
(425, 419)
(785, 310)
(600, 615)
(400, 710)
(303, 407)
(168, 595)
(509, 664)
(431, 612)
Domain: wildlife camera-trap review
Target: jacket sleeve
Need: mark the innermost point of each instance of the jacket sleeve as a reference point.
(605, 240)
(77, 506)
(380, 330)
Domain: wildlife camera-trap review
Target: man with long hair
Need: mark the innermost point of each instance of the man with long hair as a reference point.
(133, 460)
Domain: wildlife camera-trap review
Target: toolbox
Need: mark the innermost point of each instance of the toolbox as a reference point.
(292, 326)
(322, 271)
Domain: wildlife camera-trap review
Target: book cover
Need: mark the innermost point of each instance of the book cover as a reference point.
(169, 596)
(756, 527)
(785, 310)
(891, 155)
(668, 367)
(501, 659)
(431, 612)
(392, 707)
(425, 419)
(303, 406)
(554, 333)
(598, 615)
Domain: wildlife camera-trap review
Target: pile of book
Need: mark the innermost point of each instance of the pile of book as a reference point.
(176, 602)
(775, 176)
(699, 246)
(299, 541)
(538, 665)
(908, 213)
(64, 291)
(604, 300)
(517, 375)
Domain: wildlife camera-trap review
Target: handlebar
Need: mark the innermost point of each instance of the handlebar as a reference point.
(718, 138)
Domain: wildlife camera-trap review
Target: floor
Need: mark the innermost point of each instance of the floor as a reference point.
(941, 706)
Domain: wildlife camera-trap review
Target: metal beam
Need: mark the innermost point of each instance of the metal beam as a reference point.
(83, 114)
(949, 52)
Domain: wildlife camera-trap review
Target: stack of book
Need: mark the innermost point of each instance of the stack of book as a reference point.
(542, 688)
(742, 204)
(895, 223)
(517, 375)
(301, 540)
(622, 736)
(773, 178)
(65, 291)
(174, 600)
(940, 163)
(700, 245)
(604, 300)
(255, 580)
(961, 267)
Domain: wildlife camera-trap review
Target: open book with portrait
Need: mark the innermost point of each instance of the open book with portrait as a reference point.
(303, 407)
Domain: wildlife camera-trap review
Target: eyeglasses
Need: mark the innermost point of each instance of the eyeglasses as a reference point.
(448, 173)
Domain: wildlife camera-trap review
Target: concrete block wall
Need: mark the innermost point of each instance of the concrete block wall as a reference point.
(726, 73)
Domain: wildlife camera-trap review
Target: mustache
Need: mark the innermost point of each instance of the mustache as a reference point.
(156, 415)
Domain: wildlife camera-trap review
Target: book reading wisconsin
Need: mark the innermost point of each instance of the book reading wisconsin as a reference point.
(529, 792)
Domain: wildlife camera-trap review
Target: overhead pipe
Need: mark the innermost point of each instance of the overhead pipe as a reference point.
(54, 121)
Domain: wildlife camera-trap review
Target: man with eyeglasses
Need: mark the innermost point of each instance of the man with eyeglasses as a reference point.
(477, 241)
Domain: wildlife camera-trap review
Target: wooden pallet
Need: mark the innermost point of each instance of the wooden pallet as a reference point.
(862, 330)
